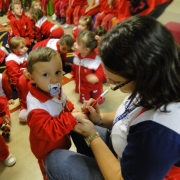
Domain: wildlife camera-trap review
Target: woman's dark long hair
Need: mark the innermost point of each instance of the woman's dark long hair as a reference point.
(142, 49)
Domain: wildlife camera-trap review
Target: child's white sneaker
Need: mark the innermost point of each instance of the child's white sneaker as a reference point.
(10, 160)
(66, 26)
(54, 17)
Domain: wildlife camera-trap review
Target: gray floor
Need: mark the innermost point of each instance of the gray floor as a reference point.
(26, 167)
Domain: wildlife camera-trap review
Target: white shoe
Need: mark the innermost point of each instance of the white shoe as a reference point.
(54, 17)
(10, 160)
(66, 26)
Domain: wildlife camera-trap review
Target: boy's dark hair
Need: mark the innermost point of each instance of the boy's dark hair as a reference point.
(41, 54)
(36, 14)
(87, 38)
(88, 20)
(143, 50)
(100, 31)
(67, 39)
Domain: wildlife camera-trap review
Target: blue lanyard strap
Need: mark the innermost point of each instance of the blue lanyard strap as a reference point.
(125, 113)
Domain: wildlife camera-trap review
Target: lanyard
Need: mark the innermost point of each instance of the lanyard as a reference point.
(125, 113)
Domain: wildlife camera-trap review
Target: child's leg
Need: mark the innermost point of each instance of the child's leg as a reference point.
(85, 97)
(41, 165)
(57, 33)
(105, 20)
(99, 19)
(63, 6)
(76, 15)
(69, 13)
(96, 93)
(4, 152)
(92, 12)
(57, 10)
(54, 3)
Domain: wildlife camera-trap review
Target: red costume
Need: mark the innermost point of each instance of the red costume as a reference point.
(4, 152)
(106, 13)
(4, 5)
(45, 29)
(75, 33)
(60, 8)
(83, 66)
(74, 9)
(21, 27)
(50, 122)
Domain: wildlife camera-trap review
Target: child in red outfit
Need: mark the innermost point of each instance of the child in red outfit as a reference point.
(48, 109)
(4, 5)
(87, 68)
(43, 27)
(16, 60)
(107, 11)
(20, 24)
(73, 10)
(5, 99)
(85, 23)
(62, 46)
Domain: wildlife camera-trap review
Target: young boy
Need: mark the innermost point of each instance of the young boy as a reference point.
(16, 60)
(48, 110)
(20, 24)
(62, 46)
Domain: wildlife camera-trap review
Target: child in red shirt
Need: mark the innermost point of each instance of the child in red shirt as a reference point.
(43, 27)
(4, 5)
(20, 24)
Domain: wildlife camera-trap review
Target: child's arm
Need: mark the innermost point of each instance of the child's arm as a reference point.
(6, 87)
(14, 27)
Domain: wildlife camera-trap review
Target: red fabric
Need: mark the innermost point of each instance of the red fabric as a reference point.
(104, 7)
(4, 108)
(60, 8)
(173, 174)
(23, 91)
(4, 5)
(4, 152)
(85, 86)
(126, 10)
(92, 12)
(75, 33)
(2, 56)
(54, 3)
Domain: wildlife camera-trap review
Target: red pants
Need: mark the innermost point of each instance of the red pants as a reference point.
(54, 3)
(57, 33)
(60, 8)
(4, 152)
(93, 94)
(102, 20)
(4, 101)
(92, 12)
(44, 5)
(4, 5)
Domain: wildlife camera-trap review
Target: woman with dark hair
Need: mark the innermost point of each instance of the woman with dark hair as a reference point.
(140, 57)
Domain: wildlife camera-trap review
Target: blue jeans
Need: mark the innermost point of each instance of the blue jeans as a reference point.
(68, 165)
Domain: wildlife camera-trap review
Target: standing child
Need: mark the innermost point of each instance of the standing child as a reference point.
(73, 12)
(60, 9)
(49, 111)
(85, 23)
(62, 46)
(4, 5)
(20, 24)
(16, 60)
(5, 99)
(87, 68)
(108, 10)
(43, 27)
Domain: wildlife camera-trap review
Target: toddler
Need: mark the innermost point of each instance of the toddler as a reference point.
(87, 68)
(85, 23)
(20, 24)
(5, 99)
(16, 60)
(43, 27)
(73, 11)
(108, 10)
(48, 109)
(62, 46)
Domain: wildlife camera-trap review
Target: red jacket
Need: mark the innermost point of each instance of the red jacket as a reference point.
(77, 2)
(75, 33)
(48, 131)
(22, 28)
(52, 43)
(83, 66)
(15, 65)
(128, 8)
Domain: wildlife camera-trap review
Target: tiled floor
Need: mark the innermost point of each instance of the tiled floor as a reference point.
(26, 167)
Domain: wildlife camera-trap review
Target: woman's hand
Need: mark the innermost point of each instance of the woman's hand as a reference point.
(84, 127)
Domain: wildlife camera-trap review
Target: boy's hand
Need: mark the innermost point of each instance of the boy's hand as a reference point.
(91, 78)
(11, 101)
(6, 119)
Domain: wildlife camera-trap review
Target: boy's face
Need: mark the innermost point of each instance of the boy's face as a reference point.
(45, 73)
(22, 49)
(82, 25)
(37, 6)
(17, 11)
(64, 48)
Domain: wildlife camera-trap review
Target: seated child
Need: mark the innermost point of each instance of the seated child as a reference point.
(5, 100)
(85, 23)
(87, 69)
(20, 24)
(48, 109)
(16, 60)
(43, 27)
(73, 12)
(62, 46)
(5, 156)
